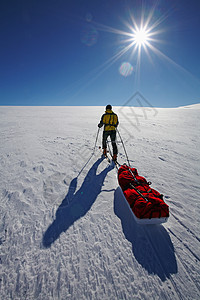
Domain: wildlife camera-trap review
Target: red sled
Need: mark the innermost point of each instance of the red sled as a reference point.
(146, 204)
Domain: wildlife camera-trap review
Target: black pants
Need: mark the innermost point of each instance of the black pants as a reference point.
(112, 134)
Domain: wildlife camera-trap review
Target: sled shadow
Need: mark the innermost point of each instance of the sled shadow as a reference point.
(151, 244)
(76, 203)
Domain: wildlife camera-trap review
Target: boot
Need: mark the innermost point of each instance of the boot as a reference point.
(114, 157)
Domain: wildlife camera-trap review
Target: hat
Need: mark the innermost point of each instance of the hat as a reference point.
(109, 106)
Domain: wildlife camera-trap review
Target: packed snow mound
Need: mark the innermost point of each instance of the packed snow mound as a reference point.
(65, 230)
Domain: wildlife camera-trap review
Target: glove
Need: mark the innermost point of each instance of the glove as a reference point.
(100, 125)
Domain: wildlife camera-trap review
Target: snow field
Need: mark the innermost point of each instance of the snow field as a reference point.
(65, 232)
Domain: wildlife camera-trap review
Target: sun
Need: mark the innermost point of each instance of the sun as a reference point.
(140, 37)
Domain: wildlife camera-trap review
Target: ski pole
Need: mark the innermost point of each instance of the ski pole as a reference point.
(123, 147)
(96, 140)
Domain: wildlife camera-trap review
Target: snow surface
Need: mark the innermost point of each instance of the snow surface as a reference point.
(65, 231)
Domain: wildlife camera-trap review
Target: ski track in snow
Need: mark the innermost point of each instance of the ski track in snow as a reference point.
(65, 230)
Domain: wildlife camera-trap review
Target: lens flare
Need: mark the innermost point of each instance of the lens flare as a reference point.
(89, 35)
(126, 69)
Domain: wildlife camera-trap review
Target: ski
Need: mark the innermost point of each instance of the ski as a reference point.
(117, 164)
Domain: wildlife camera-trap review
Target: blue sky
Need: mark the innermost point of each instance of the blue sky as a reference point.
(81, 52)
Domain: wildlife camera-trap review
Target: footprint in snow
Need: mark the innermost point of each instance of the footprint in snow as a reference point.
(38, 169)
(23, 164)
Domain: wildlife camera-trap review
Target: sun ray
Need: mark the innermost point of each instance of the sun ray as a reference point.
(166, 58)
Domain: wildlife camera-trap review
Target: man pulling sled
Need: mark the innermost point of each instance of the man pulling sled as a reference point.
(146, 204)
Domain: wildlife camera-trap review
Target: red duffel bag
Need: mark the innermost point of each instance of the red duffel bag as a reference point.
(144, 201)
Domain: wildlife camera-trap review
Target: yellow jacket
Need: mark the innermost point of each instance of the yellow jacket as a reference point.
(109, 120)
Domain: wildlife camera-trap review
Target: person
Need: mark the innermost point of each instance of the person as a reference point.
(110, 122)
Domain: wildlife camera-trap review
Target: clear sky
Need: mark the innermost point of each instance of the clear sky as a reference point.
(95, 52)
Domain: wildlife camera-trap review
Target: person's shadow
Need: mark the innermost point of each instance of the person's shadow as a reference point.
(151, 244)
(76, 204)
